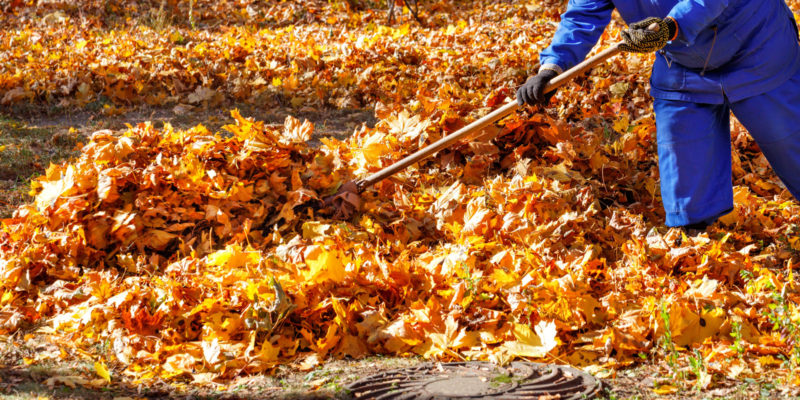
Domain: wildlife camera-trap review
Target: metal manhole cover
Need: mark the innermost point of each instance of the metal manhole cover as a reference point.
(478, 380)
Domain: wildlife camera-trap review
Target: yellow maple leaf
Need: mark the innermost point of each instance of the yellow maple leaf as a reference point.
(621, 124)
(102, 371)
(665, 389)
(373, 147)
(530, 343)
(268, 352)
(326, 265)
(688, 327)
(503, 278)
(233, 256)
(53, 189)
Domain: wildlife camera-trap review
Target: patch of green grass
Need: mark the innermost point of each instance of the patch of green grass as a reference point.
(503, 378)
(668, 346)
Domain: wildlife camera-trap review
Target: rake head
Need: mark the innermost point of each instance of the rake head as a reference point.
(345, 202)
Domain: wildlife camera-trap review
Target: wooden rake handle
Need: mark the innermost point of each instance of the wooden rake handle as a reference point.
(490, 118)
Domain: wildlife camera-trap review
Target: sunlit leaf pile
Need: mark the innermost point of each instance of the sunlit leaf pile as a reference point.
(204, 255)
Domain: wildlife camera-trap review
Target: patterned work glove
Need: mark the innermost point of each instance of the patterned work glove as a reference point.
(532, 92)
(639, 39)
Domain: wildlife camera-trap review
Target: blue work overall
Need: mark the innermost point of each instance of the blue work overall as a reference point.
(730, 55)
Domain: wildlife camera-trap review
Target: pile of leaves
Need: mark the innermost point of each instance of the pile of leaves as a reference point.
(197, 255)
(208, 255)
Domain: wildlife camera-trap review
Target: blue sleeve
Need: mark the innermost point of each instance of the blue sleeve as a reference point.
(580, 28)
(693, 16)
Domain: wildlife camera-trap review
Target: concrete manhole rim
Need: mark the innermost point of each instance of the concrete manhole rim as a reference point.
(476, 379)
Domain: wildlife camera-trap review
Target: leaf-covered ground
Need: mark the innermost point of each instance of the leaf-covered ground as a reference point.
(204, 255)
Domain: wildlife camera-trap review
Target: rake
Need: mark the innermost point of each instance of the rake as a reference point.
(347, 200)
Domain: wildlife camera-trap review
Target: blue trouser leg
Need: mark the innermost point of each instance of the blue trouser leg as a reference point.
(694, 160)
(773, 120)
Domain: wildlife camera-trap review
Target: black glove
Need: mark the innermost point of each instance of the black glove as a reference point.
(639, 39)
(532, 92)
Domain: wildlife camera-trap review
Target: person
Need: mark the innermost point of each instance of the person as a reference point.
(713, 57)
